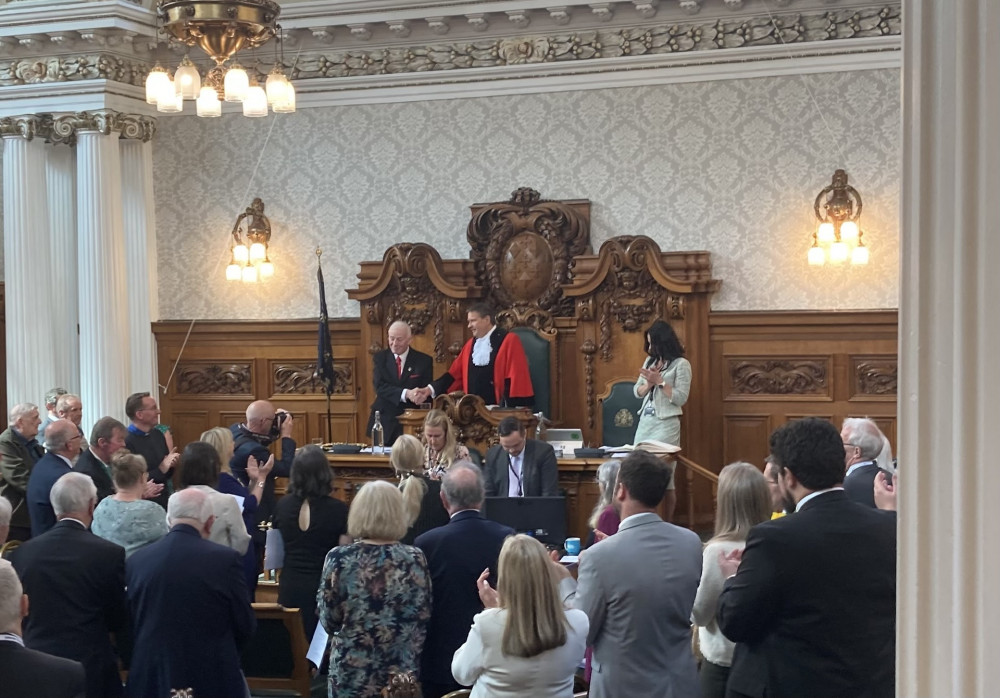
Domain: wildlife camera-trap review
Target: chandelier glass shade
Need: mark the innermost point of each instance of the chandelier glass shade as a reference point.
(838, 237)
(221, 28)
(249, 261)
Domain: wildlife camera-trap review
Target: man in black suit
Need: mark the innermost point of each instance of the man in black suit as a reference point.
(19, 451)
(76, 582)
(29, 673)
(457, 553)
(520, 467)
(862, 443)
(397, 372)
(814, 597)
(190, 608)
(106, 439)
(62, 445)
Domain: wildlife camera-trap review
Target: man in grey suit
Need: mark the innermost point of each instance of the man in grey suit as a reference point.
(637, 587)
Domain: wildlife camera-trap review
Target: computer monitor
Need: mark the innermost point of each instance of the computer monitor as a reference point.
(541, 517)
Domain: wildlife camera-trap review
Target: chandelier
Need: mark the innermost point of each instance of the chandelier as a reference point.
(838, 237)
(221, 28)
(250, 263)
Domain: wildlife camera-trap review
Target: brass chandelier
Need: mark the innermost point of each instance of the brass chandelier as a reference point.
(221, 28)
(838, 237)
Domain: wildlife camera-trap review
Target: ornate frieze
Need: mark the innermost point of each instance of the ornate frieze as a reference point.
(299, 379)
(63, 129)
(89, 66)
(199, 378)
(790, 376)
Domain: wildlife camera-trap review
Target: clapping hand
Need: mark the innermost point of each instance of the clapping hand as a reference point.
(487, 594)
(652, 376)
(730, 563)
(885, 491)
(151, 490)
(258, 472)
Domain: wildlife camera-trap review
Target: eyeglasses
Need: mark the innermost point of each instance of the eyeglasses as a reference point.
(849, 445)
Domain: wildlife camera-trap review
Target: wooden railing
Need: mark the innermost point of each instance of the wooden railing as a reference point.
(692, 471)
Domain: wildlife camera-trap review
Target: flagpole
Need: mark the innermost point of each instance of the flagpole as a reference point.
(329, 415)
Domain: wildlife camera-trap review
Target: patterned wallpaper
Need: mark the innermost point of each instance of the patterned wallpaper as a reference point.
(727, 166)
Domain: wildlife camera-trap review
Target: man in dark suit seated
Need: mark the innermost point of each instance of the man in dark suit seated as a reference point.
(76, 582)
(29, 673)
(862, 443)
(190, 608)
(814, 597)
(19, 451)
(457, 553)
(106, 439)
(62, 445)
(397, 372)
(520, 467)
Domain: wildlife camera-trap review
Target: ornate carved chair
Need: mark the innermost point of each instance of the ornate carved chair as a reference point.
(539, 348)
(618, 412)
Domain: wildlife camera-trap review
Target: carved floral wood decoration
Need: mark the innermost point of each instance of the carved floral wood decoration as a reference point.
(760, 376)
(876, 376)
(298, 379)
(197, 378)
(523, 251)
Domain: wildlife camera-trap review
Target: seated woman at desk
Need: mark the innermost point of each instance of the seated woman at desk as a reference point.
(442, 447)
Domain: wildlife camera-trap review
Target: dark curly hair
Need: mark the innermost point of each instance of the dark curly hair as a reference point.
(812, 449)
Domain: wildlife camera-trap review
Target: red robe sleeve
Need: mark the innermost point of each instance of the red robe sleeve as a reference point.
(459, 370)
(512, 364)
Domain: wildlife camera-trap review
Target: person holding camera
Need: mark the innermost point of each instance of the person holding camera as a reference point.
(251, 439)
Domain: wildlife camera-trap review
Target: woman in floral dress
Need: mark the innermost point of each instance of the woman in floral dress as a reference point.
(374, 597)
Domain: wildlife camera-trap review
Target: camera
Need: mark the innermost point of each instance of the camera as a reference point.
(279, 418)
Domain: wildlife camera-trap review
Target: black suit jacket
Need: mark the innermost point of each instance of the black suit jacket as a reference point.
(815, 601)
(417, 372)
(76, 584)
(457, 553)
(860, 485)
(89, 464)
(190, 615)
(540, 472)
(31, 674)
(47, 470)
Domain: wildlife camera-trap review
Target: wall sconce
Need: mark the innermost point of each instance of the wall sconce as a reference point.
(838, 237)
(251, 263)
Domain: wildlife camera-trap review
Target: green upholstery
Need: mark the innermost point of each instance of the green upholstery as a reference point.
(619, 414)
(537, 349)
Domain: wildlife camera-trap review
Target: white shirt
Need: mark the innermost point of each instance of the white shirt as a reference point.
(515, 473)
(813, 494)
(856, 466)
(481, 349)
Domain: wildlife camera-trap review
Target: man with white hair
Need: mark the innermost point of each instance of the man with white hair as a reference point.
(69, 406)
(62, 441)
(29, 672)
(19, 451)
(190, 608)
(862, 443)
(51, 401)
(76, 582)
(396, 374)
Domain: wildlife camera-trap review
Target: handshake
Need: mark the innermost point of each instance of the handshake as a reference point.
(418, 396)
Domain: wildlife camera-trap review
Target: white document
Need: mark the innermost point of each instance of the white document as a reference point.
(317, 647)
(239, 500)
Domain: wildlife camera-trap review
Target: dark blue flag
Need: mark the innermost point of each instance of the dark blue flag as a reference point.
(324, 362)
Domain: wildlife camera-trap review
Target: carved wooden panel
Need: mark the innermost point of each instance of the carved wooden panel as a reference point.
(297, 378)
(222, 379)
(757, 377)
(875, 377)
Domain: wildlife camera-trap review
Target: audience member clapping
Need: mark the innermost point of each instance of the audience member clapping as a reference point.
(442, 447)
(525, 643)
(604, 519)
(125, 517)
(374, 597)
(421, 493)
(200, 468)
(311, 522)
(743, 502)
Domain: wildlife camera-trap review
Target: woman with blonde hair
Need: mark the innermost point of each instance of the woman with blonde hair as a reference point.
(525, 643)
(605, 517)
(442, 447)
(125, 517)
(744, 501)
(374, 597)
(421, 494)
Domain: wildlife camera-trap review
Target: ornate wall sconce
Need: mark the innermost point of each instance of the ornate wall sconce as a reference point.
(838, 237)
(251, 263)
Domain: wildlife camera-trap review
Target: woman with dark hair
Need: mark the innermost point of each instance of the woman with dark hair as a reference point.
(200, 468)
(311, 522)
(663, 386)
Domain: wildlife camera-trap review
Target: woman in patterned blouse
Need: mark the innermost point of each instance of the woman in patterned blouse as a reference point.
(374, 597)
(442, 447)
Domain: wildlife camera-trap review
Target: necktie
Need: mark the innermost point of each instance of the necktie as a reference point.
(399, 367)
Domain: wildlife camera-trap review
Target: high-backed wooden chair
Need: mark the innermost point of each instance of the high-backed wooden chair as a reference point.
(275, 657)
(618, 410)
(539, 349)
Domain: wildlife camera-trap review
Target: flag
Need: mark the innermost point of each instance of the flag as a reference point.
(324, 361)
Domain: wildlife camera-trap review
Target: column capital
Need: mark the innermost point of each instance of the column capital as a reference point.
(27, 126)
(106, 122)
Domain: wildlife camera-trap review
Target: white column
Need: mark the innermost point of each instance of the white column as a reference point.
(30, 341)
(104, 337)
(140, 261)
(948, 620)
(60, 172)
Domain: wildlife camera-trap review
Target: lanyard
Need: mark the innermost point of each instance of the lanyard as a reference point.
(517, 475)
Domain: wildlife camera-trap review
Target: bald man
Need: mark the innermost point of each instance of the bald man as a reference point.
(397, 372)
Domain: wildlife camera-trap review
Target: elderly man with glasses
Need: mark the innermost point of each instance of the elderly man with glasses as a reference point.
(862, 443)
(62, 446)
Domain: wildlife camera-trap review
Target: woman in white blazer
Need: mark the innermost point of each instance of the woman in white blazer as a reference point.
(525, 643)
